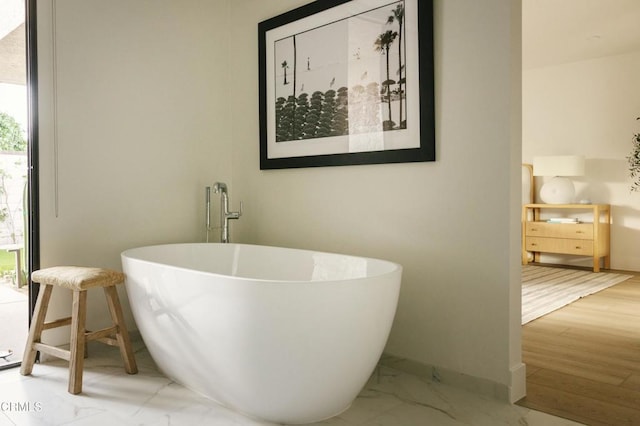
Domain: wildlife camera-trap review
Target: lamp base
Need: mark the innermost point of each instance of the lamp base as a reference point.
(559, 190)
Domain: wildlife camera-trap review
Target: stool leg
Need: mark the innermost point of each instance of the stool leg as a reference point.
(35, 331)
(122, 335)
(76, 361)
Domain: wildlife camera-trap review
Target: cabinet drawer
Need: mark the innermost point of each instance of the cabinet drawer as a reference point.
(582, 231)
(556, 245)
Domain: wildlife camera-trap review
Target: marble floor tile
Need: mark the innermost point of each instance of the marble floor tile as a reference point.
(14, 311)
(112, 397)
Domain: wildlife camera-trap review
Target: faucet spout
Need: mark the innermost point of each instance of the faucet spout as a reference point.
(220, 187)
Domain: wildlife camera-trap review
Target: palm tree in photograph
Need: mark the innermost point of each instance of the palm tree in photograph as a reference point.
(382, 45)
(295, 70)
(398, 16)
(284, 67)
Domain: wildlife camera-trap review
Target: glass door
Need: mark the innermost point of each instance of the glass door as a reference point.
(14, 172)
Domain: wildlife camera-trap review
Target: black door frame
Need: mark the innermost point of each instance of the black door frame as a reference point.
(33, 243)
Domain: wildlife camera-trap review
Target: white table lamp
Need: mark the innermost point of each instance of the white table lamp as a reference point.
(558, 190)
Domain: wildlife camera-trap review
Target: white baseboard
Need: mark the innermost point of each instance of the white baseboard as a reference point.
(518, 388)
(512, 393)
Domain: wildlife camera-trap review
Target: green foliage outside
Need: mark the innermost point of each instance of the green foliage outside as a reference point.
(7, 262)
(11, 136)
(12, 139)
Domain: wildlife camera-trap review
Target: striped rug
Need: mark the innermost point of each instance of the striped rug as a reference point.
(546, 289)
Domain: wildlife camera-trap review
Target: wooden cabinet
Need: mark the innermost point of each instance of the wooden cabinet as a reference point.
(585, 238)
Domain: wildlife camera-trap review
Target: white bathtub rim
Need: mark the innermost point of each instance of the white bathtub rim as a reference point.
(395, 267)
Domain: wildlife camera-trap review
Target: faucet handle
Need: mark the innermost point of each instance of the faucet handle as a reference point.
(234, 215)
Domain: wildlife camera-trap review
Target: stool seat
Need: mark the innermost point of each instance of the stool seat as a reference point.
(78, 279)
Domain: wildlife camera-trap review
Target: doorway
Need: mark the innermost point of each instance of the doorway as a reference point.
(17, 136)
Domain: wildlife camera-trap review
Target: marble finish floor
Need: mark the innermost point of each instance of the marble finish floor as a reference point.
(111, 397)
(13, 321)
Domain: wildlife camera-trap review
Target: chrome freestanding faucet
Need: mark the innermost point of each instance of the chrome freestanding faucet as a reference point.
(225, 214)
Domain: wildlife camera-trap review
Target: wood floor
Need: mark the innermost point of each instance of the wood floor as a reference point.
(583, 361)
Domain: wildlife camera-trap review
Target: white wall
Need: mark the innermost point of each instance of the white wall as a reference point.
(142, 127)
(158, 98)
(590, 108)
(450, 223)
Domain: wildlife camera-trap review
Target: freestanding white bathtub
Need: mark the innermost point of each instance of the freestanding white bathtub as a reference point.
(284, 335)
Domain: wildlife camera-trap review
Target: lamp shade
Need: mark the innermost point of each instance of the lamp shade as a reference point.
(558, 165)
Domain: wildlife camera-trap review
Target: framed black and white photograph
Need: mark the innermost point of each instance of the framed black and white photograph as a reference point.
(347, 82)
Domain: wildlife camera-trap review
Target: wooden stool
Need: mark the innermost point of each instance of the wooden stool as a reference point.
(77, 279)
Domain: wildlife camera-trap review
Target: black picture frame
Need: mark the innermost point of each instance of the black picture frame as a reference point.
(329, 127)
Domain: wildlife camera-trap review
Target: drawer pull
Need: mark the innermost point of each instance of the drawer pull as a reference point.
(578, 247)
